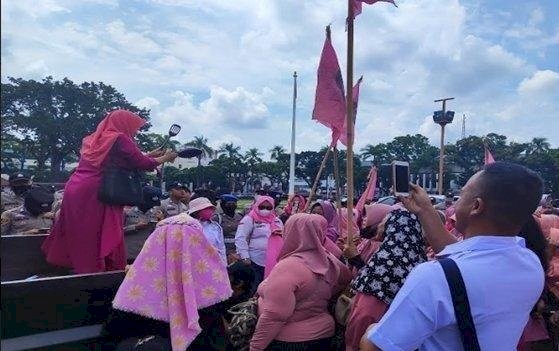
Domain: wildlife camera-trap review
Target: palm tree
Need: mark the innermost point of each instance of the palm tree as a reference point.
(252, 157)
(276, 152)
(230, 150)
(538, 146)
(368, 151)
(201, 143)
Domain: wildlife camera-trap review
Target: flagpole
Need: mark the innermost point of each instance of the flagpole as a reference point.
(317, 178)
(338, 187)
(292, 158)
(349, 122)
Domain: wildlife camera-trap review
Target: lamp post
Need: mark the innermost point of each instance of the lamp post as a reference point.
(442, 118)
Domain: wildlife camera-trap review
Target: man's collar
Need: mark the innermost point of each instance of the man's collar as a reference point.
(482, 242)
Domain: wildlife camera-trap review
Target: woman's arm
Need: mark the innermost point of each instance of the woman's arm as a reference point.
(134, 158)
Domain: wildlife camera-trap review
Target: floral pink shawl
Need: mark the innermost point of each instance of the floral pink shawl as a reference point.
(177, 273)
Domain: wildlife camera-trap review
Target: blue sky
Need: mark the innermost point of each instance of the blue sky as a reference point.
(223, 69)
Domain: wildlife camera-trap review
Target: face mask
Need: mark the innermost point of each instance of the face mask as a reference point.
(265, 213)
(206, 214)
(230, 208)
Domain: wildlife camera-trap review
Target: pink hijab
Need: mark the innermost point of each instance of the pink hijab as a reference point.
(331, 216)
(304, 234)
(375, 214)
(96, 146)
(289, 207)
(270, 219)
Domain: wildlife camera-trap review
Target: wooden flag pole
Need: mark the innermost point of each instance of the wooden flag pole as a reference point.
(349, 122)
(317, 178)
(338, 187)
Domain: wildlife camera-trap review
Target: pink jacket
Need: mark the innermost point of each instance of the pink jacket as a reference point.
(293, 304)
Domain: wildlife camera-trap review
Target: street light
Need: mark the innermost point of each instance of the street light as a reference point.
(442, 118)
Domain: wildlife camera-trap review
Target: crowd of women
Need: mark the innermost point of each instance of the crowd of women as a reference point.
(312, 287)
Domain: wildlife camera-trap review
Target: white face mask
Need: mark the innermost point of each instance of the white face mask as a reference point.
(265, 213)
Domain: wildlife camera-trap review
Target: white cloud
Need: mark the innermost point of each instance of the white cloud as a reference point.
(224, 68)
(147, 102)
(541, 82)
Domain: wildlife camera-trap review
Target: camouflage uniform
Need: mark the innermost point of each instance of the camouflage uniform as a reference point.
(133, 216)
(19, 221)
(171, 208)
(229, 225)
(9, 200)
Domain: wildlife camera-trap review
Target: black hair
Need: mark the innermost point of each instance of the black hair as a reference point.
(368, 232)
(535, 241)
(241, 273)
(511, 193)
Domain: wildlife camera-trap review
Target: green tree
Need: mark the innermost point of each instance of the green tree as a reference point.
(201, 143)
(230, 151)
(276, 152)
(252, 158)
(57, 115)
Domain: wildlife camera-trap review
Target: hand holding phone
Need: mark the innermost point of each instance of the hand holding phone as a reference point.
(401, 178)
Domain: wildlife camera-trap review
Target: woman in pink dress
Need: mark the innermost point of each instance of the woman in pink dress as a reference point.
(88, 234)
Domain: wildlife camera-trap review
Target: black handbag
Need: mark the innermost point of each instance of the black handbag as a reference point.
(120, 187)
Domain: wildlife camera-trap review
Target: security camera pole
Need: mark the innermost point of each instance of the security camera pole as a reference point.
(442, 118)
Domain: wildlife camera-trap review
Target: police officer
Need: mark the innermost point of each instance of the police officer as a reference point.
(228, 218)
(12, 196)
(30, 217)
(174, 204)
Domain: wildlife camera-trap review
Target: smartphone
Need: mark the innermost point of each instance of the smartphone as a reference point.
(401, 178)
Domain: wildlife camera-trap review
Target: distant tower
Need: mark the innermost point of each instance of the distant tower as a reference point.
(463, 126)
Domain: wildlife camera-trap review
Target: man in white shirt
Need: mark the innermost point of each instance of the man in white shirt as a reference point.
(503, 278)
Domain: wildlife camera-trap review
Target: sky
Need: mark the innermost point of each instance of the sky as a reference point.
(223, 69)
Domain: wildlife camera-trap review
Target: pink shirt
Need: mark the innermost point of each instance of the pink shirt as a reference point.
(293, 304)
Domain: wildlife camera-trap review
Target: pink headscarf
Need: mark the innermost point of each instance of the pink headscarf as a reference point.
(331, 216)
(96, 146)
(547, 222)
(177, 273)
(304, 234)
(289, 207)
(271, 219)
(375, 214)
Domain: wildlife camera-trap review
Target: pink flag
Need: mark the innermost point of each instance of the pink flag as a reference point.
(488, 157)
(358, 5)
(355, 96)
(369, 191)
(329, 104)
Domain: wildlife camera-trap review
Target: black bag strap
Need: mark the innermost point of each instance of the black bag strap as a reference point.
(461, 304)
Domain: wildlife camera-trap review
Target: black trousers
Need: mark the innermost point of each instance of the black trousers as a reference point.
(311, 345)
(258, 277)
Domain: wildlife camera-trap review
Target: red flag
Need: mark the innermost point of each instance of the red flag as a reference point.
(358, 5)
(355, 96)
(329, 104)
(369, 191)
(488, 157)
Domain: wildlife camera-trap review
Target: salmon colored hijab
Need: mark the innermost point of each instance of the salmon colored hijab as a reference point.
(96, 146)
(303, 237)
